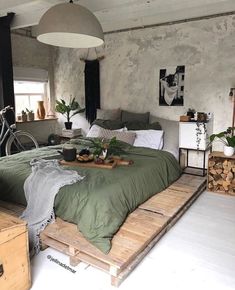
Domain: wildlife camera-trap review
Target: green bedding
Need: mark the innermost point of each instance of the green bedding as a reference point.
(100, 203)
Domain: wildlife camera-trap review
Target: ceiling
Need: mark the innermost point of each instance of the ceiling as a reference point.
(121, 14)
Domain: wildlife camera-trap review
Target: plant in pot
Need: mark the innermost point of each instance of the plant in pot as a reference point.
(23, 116)
(30, 114)
(68, 110)
(191, 112)
(227, 138)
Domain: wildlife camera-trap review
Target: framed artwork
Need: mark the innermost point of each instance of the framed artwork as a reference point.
(171, 86)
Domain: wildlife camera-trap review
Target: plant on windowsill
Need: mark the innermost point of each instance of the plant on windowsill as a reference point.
(68, 110)
(30, 114)
(227, 138)
(23, 116)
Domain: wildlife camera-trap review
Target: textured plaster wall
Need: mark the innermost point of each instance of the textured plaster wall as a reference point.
(69, 82)
(130, 70)
(28, 52)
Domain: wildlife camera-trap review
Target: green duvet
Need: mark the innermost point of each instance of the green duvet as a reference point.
(100, 202)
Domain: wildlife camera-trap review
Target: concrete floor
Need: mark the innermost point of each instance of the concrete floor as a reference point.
(198, 253)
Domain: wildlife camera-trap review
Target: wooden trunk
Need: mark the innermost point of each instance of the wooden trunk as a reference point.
(14, 257)
(220, 177)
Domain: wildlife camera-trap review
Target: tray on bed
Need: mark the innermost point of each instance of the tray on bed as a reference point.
(92, 164)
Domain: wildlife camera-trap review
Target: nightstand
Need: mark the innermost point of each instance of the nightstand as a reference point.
(194, 136)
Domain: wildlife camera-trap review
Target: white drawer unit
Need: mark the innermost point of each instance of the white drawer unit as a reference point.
(195, 135)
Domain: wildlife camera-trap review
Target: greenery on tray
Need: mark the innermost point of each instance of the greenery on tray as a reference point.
(226, 137)
(70, 109)
(106, 147)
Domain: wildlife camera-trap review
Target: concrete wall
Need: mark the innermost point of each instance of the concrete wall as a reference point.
(130, 70)
(28, 52)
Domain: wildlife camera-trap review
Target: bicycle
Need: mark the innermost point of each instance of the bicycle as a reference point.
(18, 140)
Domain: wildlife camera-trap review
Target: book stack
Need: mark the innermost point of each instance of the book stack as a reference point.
(71, 133)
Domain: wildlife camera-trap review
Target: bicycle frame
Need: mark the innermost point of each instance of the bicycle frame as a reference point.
(3, 135)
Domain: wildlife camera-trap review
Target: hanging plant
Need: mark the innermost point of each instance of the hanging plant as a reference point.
(200, 129)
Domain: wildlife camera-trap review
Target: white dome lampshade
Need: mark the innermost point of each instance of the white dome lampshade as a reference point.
(70, 25)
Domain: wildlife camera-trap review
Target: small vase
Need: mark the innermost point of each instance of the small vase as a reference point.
(41, 110)
(228, 150)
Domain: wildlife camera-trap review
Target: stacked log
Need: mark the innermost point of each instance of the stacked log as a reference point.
(221, 174)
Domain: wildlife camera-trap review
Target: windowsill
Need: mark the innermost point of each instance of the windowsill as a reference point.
(37, 120)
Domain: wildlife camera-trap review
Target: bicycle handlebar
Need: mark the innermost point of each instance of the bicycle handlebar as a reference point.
(6, 109)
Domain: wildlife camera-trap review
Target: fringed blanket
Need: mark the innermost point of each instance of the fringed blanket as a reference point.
(40, 188)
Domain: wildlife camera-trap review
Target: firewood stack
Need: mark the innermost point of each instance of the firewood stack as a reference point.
(221, 174)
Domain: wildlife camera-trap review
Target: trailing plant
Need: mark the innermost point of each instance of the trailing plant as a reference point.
(68, 110)
(199, 132)
(226, 137)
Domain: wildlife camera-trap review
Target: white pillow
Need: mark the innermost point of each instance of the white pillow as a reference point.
(96, 130)
(149, 138)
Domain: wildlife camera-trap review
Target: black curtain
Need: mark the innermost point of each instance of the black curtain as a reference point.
(92, 88)
(6, 69)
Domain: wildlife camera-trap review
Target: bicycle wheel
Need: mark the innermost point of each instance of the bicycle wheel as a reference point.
(22, 141)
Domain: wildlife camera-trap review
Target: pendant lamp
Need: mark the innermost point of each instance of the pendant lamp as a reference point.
(70, 25)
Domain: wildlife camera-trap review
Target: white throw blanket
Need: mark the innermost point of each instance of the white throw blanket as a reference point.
(40, 188)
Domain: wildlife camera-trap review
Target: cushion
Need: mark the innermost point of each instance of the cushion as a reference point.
(95, 131)
(138, 125)
(149, 138)
(171, 134)
(108, 124)
(127, 116)
(114, 114)
(128, 137)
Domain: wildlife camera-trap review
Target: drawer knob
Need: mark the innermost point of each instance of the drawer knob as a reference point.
(1, 270)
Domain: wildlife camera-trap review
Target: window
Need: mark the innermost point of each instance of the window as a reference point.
(27, 93)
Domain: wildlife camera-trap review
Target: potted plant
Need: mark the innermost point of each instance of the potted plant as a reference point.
(191, 112)
(68, 110)
(30, 114)
(227, 138)
(23, 116)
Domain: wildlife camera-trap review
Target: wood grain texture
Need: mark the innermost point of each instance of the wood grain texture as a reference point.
(139, 233)
(14, 255)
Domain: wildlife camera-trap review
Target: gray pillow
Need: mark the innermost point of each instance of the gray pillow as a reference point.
(108, 124)
(114, 114)
(127, 116)
(137, 125)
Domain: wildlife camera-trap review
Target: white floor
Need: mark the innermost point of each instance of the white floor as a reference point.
(198, 253)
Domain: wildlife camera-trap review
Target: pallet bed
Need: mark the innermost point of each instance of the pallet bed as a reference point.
(139, 233)
(136, 237)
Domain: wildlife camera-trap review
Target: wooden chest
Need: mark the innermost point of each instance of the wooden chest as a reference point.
(14, 255)
(221, 173)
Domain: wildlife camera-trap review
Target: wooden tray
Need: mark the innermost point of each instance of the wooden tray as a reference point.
(91, 164)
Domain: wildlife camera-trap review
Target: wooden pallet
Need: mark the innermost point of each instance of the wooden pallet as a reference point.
(11, 208)
(139, 233)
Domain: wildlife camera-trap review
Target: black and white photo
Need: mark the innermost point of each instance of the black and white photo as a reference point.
(171, 86)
